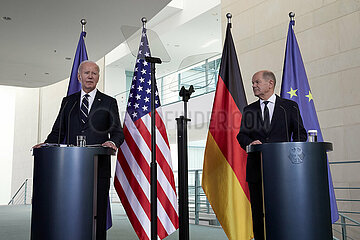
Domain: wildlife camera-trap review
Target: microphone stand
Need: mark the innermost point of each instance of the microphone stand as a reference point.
(61, 121)
(183, 166)
(68, 125)
(298, 122)
(286, 125)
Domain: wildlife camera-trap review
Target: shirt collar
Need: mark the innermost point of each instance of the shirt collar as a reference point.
(92, 93)
(271, 99)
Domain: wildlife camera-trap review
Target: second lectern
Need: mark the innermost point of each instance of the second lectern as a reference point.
(64, 192)
(296, 190)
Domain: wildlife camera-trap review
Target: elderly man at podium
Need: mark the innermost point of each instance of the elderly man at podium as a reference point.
(269, 119)
(92, 114)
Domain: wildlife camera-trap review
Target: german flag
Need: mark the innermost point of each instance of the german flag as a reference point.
(224, 171)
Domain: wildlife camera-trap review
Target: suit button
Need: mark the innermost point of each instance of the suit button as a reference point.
(267, 139)
(82, 131)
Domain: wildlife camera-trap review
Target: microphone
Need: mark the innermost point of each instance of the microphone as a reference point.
(68, 125)
(286, 124)
(298, 122)
(61, 117)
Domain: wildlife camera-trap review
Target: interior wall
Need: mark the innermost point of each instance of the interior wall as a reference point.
(25, 135)
(30, 115)
(115, 85)
(7, 106)
(328, 33)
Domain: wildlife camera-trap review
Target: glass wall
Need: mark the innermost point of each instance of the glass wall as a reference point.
(203, 76)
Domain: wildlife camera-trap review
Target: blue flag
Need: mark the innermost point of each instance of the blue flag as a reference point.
(80, 56)
(295, 86)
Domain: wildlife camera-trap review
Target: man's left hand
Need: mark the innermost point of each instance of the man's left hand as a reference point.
(110, 145)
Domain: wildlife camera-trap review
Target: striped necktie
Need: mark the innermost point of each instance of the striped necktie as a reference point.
(84, 109)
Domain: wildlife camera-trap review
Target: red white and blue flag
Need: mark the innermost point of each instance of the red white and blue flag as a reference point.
(132, 177)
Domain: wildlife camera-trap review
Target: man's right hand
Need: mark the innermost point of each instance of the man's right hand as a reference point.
(255, 142)
(38, 145)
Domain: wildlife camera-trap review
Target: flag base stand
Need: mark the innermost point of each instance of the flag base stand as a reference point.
(183, 166)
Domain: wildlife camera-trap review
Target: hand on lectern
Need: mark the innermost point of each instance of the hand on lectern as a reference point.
(255, 142)
(110, 145)
(38, 145)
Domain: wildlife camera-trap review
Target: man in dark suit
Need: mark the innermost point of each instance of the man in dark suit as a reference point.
(270, 119)
(94, 115)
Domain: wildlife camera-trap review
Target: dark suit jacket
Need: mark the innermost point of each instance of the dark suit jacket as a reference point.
(103, 124)
(286, 124)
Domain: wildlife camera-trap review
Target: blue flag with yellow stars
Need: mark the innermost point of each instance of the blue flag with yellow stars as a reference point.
(295, 86)
(80, 56)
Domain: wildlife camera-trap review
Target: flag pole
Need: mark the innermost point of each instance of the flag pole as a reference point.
(292, 16)
(229, 16)
(83, 23)
(153, 164)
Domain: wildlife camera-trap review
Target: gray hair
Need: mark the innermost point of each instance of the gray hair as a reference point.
(268, 75)
(84, 62)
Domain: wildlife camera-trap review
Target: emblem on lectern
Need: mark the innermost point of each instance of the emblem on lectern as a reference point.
(296, 155)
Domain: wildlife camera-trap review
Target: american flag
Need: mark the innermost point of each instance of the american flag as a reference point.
(132, 176)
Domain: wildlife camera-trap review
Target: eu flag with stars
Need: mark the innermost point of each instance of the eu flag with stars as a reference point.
(80, 56)
(295, 86)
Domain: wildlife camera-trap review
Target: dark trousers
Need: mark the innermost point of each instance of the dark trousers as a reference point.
(256, 200)
(102, 201)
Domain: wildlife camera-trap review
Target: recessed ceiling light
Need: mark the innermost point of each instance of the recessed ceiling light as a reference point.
(68, 58)
(6, 18)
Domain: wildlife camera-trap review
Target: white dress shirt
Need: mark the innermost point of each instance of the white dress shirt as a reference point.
(270, 105)
(91, 97)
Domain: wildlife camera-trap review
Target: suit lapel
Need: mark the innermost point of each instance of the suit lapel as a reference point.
(276, 113)
(76, 108)
(97, 102)
(258, 114)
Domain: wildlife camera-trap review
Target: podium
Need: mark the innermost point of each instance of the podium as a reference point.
(295, 190)
(64, 192)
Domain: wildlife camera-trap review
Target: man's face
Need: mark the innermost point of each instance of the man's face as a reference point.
(262, 88)
(88, 76)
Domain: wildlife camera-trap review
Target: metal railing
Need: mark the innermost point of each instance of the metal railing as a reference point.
(347, 228)
(200, 211)
(202, 75)
(23, 195)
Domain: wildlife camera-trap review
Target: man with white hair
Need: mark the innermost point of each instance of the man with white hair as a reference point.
(95, 115)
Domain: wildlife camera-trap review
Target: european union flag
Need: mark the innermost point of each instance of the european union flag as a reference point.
(295, 86)
(80, 56)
